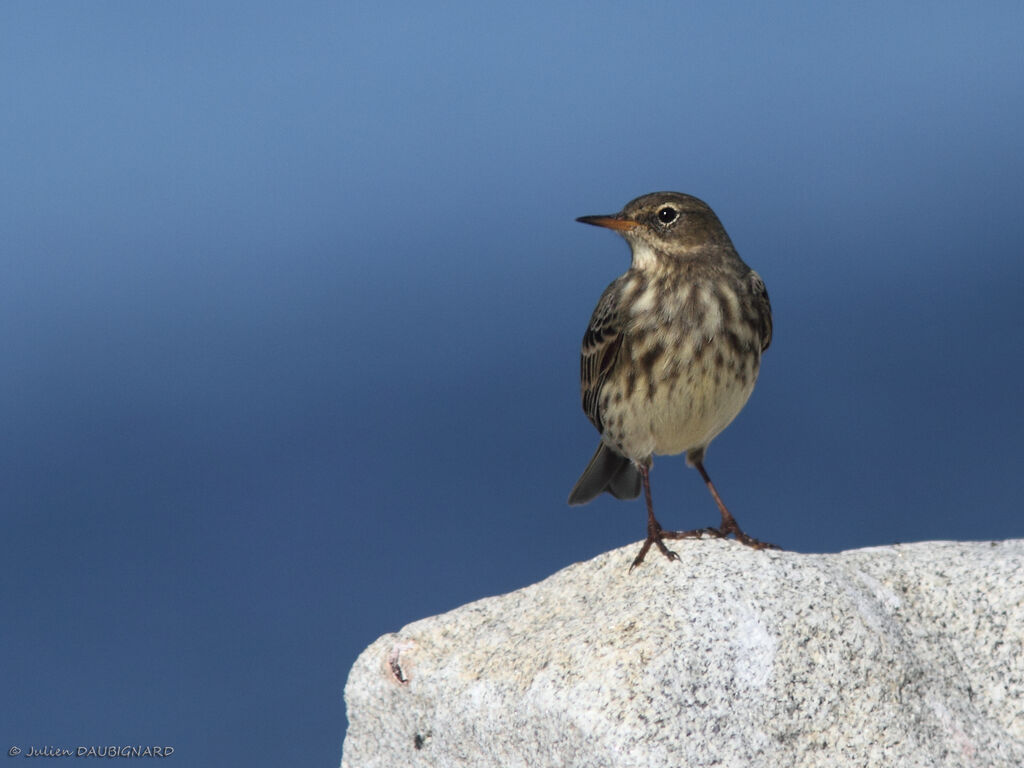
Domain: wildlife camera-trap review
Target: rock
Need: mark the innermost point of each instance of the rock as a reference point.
(907, 655)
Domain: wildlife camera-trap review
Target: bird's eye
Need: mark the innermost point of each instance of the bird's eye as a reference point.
(668, 214)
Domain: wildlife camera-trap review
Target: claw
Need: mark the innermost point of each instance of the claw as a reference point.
(731, 526)
(655, 534)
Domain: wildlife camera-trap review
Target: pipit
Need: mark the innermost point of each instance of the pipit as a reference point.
(671, 354)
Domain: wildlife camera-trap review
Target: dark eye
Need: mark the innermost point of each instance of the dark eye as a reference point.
(667, 215)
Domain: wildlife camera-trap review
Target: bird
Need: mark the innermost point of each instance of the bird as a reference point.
(671, 354)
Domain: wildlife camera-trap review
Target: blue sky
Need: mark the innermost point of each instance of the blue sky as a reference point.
(292, 296)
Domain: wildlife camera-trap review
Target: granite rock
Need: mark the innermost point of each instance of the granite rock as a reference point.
(909, 655)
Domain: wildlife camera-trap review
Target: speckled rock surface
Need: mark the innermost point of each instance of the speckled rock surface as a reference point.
(908, 655)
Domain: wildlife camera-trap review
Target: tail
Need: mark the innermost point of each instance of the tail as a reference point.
(607, 471)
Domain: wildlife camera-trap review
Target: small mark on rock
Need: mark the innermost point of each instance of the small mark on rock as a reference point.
(395, 661)
(420, 740)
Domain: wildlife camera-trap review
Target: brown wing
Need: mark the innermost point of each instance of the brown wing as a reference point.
(601, 345)
(763, 308)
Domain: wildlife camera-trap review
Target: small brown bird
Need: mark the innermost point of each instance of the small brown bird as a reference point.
(671, 354)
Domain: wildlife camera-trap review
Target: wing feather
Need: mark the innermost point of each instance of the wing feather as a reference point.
(600, 351)
(763, 308)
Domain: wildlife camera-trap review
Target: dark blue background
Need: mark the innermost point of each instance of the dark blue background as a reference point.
(291, 298)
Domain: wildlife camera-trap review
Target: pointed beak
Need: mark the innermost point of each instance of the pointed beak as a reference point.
(615, 222)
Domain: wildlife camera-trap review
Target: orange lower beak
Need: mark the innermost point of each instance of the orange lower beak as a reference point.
(610, 222)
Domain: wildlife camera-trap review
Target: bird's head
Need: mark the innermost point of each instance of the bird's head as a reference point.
(669, 224)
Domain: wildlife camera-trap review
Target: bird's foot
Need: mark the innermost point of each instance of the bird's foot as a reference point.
(729, 525)
(656, 536)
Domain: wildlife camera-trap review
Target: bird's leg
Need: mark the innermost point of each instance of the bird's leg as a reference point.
(729, 524)
(654, 530)
(655, 533)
